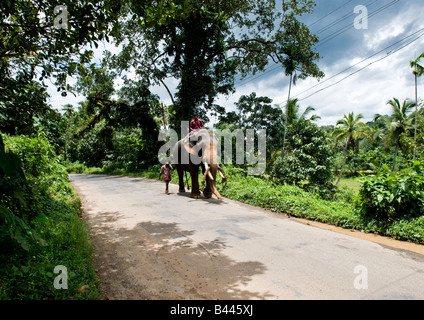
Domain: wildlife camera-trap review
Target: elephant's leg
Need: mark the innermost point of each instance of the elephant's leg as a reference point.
(180, 172)
(207, 192)
(194, 172)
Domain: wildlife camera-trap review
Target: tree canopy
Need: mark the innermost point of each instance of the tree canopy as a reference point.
(205, 44)
(53, 38)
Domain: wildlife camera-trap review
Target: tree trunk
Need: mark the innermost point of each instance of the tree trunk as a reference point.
(394, 160)
(357, 145)
(416, 115)
(344, 161)
(286, 119)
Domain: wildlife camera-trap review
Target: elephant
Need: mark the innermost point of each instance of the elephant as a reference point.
(198, 149)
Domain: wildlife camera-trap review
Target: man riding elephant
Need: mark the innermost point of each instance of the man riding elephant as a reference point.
(196, 124)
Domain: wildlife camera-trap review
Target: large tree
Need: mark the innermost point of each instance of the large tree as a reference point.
(204, 44)
(308, 160)
(103, 118)
(253, 112)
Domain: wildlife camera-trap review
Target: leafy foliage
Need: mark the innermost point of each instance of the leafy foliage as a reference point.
(350, 129)
(99, 126)
(398, 123)
(255, 112)
(28, 35)
(391, 195)
(12, 180)
(22, 102)
(308, 161)
(40, 226)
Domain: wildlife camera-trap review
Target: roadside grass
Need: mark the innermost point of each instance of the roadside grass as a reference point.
(287, 199)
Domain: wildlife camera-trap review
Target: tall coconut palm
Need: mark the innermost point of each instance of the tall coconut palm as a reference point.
(349, 129)
(289, 69)
(418, 71)
(294, 116)
(400, 121)
(295, 61)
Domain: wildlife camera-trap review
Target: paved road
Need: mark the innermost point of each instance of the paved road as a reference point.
(150, 245)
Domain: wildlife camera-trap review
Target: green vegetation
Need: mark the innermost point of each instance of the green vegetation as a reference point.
(41, 226)
(392, 195)
(351, 183)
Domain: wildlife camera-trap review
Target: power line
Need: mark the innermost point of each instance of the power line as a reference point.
(328, 38)
(357, 71)
(276, 65)
(328, 14)
(371, 56)
(349, 26)
(341, 19)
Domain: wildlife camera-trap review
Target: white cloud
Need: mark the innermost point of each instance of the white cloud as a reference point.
(374, 38)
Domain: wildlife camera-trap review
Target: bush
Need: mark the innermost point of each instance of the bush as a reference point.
(391, 195)
(75, 167)
(42, 210)
(308, 160)
(345, 193)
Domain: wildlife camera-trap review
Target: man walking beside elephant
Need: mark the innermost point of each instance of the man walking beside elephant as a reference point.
(166, 171)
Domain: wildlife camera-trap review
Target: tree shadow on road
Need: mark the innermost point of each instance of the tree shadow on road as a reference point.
(156, 260)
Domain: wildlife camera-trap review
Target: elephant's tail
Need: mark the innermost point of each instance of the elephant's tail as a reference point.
(188, 186)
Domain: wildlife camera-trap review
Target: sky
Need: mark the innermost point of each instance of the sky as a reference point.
(365, 56)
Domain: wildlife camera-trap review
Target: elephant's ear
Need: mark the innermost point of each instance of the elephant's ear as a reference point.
(189, 148)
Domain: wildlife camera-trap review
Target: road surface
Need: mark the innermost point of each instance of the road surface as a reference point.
(150, 245)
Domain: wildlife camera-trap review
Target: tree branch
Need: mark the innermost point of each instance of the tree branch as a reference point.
(167, 89)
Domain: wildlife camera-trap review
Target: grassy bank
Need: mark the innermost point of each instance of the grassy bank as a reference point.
(49, 230)
(340, 211)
